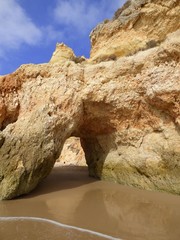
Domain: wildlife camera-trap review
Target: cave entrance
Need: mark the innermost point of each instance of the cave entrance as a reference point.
(70, 169)
(72, 153)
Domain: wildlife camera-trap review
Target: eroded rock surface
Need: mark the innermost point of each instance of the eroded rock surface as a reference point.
(124, 107)
(138, 25)
(72, 153)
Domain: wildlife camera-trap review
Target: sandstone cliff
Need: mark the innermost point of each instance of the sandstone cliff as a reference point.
(72, 153)
(123, 103)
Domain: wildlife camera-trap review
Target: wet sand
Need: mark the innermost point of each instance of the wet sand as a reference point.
(68, 196)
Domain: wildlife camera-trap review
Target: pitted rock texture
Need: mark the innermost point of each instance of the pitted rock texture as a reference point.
(139, 25)
(126, 111)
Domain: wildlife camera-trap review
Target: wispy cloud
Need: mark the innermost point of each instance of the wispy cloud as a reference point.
(68, 20)
(72, 18)
(16, 27)
(83, 15)
(51, 33)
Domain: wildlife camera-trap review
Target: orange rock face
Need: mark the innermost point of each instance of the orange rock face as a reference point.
(123, 103)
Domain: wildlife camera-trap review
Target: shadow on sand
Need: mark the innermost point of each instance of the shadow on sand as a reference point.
(62, 178)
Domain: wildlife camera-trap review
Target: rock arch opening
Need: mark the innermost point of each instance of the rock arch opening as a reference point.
(72, 153)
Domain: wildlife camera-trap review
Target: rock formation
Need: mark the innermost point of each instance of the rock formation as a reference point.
(62, 53)
(123, 103)
(72, 153)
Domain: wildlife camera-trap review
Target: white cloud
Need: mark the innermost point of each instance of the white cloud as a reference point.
(51, 33)
(83, 15)
(16, 27)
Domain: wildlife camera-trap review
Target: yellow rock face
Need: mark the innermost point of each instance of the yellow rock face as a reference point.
(62, 53)
(138, 25)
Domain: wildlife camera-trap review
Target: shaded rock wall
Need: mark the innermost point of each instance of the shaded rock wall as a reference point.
(125, 108)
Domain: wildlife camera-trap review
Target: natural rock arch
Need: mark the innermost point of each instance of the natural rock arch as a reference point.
(125, 108)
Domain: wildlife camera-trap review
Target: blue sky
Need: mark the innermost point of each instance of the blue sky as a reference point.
(29, 30)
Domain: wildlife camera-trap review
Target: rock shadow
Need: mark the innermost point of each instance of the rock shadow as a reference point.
(62, 178)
